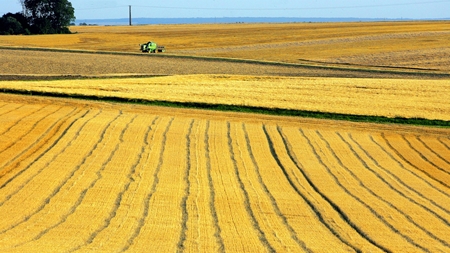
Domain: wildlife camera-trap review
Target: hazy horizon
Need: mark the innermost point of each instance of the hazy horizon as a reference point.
(362, 9)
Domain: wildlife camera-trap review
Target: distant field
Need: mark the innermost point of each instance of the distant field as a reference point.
(422, 45)
(81, 176)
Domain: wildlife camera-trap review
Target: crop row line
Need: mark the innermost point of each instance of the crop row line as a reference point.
(55, 191)
(40, 156)
(56, 126)
(148, 197)
(413, 165)
(247, 204)
(273, 201)
(80, 199)
(401, 182)
(212, 193)
(362, 184)
(23, 118)
(310, 203)
(183, 203)
(423, 156)
(14, 109)
(99, 175)
(32, 127)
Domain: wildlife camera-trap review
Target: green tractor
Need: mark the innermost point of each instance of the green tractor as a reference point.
(152, 47)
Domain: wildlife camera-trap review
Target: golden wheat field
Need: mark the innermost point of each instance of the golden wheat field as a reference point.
(426, 99)
(95, 176)
(99, 177)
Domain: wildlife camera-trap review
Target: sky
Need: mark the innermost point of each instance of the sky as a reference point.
(389, 9)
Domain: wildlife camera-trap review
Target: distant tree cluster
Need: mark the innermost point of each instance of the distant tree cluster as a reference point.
(39, 17)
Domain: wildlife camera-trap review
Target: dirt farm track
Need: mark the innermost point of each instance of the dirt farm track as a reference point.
(84, 175)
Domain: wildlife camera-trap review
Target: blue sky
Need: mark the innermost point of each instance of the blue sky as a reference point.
(103, 9)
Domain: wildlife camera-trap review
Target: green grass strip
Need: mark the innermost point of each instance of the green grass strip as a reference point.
(243, 109)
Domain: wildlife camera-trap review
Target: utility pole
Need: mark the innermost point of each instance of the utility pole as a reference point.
(129, 7)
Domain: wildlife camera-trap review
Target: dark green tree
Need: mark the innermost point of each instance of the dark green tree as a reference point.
(49, 16)
(13, 24)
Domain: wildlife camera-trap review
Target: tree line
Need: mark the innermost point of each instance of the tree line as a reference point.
(39, 17)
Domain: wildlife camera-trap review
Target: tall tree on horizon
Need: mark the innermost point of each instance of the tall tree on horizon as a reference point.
(49, 16)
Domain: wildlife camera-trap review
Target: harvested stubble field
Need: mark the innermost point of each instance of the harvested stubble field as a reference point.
(422, 45)
(87, 176)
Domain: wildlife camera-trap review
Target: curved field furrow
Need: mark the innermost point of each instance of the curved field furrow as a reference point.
(13, 136)
(332, 221)
(121, 219)
(212, 192)
(445, 142)
(34, 140)
(428, 154)
(148, 181)
(411, 157)
(237, 230)
(36, 166)
(202, 233)
(388, 202)
(282, 225)
(247, 204)
(187, 191)
(21, 116)
(358, 212)
(56, 190)
(395, 183)
(433, 146)
(67, 192)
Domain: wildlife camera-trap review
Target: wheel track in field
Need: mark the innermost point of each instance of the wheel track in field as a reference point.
(212, 198)
(19, 138)
(273, 201)
(411, 164)
(22, 119)
(443, 143)
(17, 108)
(390, 204)
(83, 193)
(183, 203)
(432, 150)
(41, 155)
(34, 145)
(133, 171)
(404, 168)
(424, 157)
(353, 196)
(253, 188)
(247, 204)
(113, 211)
(55, 191)
(401, 182)
(315, 210)
(148, 197)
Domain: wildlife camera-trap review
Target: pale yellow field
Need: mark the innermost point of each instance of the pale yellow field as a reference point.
(97, 177)
(379, 97)
(422, 45)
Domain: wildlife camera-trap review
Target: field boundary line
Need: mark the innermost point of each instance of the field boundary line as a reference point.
(436, 123)
(226, 59)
